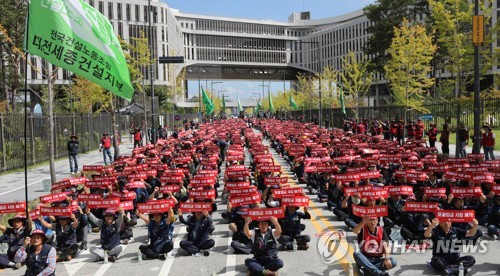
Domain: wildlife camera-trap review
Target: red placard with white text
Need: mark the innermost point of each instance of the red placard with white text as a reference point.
(53, 198)
(86, 197)
(288, 192)
(466, 192)
(435, 192)
(455, 216)
(496, 189)
(245, 200)
(170, 188)
(135, 185)
(56, 211)
(376, 211)
(188, 207)
(103, 203)
(237, 185)
(299, 201)
(421, 207)
(401, 190)
(127, 205)
(271, 181)
(204, 194)
(154, 206)
(12, 207)
(243, 191)
(266, 213)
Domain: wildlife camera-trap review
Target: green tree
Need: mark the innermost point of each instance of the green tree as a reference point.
(408, 67)
(89, 97)
(12, 24)
(138, 56)
(356, 79)
(384, 15)
(452, 22)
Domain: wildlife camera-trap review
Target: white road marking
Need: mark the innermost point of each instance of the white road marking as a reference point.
(78, 262)
(167, 264)
(104, 268)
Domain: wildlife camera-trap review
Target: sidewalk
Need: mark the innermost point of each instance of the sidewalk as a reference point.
(468, 149)
(12, 184)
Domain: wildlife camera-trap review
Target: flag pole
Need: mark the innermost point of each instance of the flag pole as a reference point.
(26, 112)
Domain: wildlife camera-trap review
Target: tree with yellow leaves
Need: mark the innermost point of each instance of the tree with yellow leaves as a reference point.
(408, 67)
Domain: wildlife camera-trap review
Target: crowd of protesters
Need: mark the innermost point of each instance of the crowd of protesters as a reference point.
(382, 186)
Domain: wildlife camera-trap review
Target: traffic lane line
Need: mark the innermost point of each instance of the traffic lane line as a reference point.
(350, 250)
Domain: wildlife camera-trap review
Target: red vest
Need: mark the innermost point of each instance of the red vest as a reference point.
(419, 131)
(106, 142)
(372, 245)
(361, 129)
(137, 136)
(433, 133)
(488, 139)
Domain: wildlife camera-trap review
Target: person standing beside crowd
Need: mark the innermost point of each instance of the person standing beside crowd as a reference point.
(463, 139)
(105, 147)
(73, 154)
(445, 140)
(432, 134)
(488, 143)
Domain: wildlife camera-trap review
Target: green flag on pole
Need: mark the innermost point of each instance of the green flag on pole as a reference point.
(73, 35)
(341, 100)
(223, 104)
(209, 106)
(257, 107)
(271, 106)
(240, 108)
(293, 103)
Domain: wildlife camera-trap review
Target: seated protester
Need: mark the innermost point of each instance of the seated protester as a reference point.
(14, 237)
(39, 257)
(374, 255)
(160, 232)
(395, 206)
(494, 217)
(268, 196)
(413, 226)
(323, 184)
(126, 231)
(265, 260)
(110, 234)
(313, 182)
(83, 225)
(335, 195)
(445, 237)
(241, 244)
(65, 228)
(291, 229)
(457, 203)
(199, 228)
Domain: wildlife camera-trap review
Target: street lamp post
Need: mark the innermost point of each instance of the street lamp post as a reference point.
(212, 85)
(151, 75)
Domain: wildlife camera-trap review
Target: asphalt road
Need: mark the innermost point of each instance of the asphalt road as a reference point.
(221, 260)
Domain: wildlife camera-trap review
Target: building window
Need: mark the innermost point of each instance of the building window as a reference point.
(127, 11)
(137, 16)
(110, 10)
(101, 7)
(91, 2)
(120, 29)
(119, 7)
(146, 13)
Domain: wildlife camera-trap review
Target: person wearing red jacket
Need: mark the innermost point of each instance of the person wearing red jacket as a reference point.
(445, 139)
(488, 143)
(361, 128)
(410, 130)
(394, 130)
(105, 147)
(419, 130)
(432, 134)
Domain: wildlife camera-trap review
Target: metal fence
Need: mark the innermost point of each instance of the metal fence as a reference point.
(87, 127)
(439, 113)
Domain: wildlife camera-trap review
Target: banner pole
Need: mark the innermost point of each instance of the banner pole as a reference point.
(26, 111)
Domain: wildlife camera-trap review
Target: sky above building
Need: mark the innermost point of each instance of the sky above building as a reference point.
(276, 10)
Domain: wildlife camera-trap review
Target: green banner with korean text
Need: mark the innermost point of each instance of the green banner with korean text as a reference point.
(73, 35)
